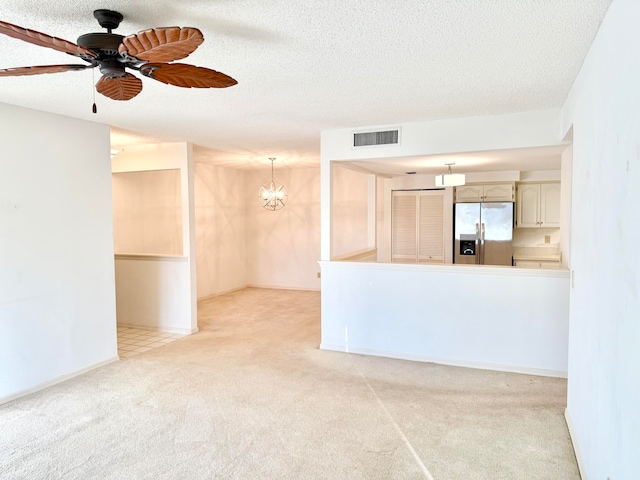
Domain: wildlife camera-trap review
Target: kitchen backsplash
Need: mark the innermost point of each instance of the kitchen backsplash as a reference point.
(536, 251)
(535, 237)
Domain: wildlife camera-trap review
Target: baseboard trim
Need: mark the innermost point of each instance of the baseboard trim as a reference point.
(213, 295)
(276, 287)
(446, 361)
(268, 287)
(56, 381)
(179, 331)
(576, 449)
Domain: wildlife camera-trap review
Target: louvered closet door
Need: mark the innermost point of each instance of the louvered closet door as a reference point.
(417, 228)
(430, 225)
(404, 235)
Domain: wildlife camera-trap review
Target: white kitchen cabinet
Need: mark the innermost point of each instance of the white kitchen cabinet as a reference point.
(538, 205)
(469, 193)
(550, 205)
(495, 192)
(499, 192)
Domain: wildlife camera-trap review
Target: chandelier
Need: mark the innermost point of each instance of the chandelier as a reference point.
(273, 196)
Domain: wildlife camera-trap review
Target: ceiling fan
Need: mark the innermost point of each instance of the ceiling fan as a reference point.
(148, 52)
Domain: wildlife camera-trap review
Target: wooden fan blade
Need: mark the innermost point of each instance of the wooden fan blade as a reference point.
(187, 76)
(44, 40)
(17, 72)
(119, 88)
(162, 44)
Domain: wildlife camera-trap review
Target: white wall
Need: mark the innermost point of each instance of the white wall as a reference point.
(471, 134)
(565, 205)
(220, 208)
(475, 316)
(604, 340)
(154, 292)
(138, 301)
(57, 302)
(283, 246)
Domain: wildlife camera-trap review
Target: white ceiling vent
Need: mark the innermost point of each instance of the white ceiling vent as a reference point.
(366, 139)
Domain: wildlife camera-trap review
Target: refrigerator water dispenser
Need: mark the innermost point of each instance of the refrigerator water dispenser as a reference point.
(467, 244)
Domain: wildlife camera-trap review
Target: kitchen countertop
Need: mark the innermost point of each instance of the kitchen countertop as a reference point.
(537, 254)
(538, 258)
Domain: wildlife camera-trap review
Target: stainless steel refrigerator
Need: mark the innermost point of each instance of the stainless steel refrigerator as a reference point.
(483, 233)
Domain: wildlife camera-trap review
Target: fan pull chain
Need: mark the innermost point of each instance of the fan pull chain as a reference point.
(93, 89)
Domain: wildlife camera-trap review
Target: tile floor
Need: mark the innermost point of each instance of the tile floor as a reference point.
(133, 341)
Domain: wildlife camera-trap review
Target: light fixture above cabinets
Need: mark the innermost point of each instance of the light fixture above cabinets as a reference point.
(450, 179)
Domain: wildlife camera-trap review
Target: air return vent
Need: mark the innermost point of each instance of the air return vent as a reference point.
(365, 139)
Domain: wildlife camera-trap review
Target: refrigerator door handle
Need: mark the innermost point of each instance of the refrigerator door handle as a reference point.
(482, 244)
(477, 244)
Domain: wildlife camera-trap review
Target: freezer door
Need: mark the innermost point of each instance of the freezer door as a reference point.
(496, 231)
(466, 233)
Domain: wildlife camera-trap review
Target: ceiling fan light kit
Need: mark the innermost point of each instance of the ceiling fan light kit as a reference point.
(148, 52)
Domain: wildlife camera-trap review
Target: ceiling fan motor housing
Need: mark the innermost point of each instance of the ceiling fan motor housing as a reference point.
(108, 18)
(106, 46)
(106, 43)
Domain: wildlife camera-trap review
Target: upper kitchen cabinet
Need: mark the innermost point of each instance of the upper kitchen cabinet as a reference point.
(499, 192)
(538, 205)
(495, 192)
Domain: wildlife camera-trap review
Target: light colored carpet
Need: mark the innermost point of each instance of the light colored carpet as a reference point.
(251, 397)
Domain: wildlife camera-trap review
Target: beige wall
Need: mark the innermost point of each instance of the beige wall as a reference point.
(147, 212)
(220, 229)
(350, 207)
(535, 237)
(238, 243)
(283, 246)
(144, 284)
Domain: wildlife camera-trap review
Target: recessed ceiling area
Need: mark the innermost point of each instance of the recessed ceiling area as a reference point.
(520, 159)
(304, 67)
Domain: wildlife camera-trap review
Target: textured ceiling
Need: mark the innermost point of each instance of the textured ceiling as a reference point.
(311, 65)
